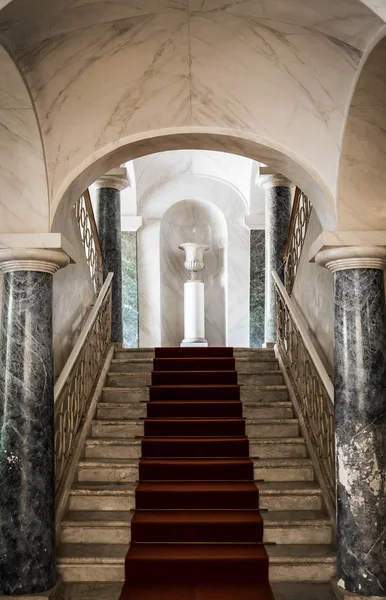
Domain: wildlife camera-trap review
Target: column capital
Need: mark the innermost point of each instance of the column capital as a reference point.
(352, 257)
(32, 259)
(117, 179)
(340, 250)
(268, 178)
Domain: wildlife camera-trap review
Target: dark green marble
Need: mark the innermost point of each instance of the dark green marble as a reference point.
(129, 289)
(257, 288)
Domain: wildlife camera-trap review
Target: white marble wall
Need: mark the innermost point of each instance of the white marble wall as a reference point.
(277, 73)
(313, 294)
(23, 185)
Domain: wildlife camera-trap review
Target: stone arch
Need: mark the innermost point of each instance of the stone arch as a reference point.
(205, 138)
(361, 201)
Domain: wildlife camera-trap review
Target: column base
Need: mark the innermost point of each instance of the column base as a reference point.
(49, 595)
(192, 343)
(269, 345)
(342, 594)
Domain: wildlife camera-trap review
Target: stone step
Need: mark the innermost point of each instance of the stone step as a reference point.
(272, 428)
(128, 380)
(268, 410)
(116, 470)
(276, 496)
(263, 377)
(111, 527)
(106, 562)
(253, 353)
(283, 469)
(133, 353)
(133, 380)
(121, 410)
(145, 365)
(118, 395)
(131, 365)
(291, 447)
(261, 428)
(263, 393)
(138, 410)
(126, 448)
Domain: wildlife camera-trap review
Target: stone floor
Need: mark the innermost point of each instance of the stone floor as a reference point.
(111, 591)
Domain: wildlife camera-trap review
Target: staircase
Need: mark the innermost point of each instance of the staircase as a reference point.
(97, 529)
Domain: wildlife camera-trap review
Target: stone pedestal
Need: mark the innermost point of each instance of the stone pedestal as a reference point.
(194, 314)
(194, 296)
(360, 416)
(108, 217)
(277, 219)
(27, 473)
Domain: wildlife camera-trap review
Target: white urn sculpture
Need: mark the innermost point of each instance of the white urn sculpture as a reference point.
(194, 296)
(194, 258)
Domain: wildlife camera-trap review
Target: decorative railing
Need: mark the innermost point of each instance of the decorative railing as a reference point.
(90, 240)
(300, 217)
(312, 385)
(75, 386)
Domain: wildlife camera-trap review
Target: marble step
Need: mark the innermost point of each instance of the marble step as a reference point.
(145, 365)
(261, 428)
(133, 353)
(253, 353)
(106, 562)
(134, 380)
(125, 448)
(261, 393)
(113, 527)
(277, 496)
(115, 470)
(138, 410)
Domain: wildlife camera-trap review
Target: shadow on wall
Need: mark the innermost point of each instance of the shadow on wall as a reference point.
(203, 223)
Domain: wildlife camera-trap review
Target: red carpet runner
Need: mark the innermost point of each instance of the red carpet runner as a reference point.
(197, 532)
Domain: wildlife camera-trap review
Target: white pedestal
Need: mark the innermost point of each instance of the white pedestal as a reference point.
(194, 314)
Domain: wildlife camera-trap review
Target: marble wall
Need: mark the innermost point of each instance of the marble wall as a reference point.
(190, 72)
(24, 196)
(203, 223)
(152, 205)
(257, 288)
(73, 297)
(129, 289)
(314, 295)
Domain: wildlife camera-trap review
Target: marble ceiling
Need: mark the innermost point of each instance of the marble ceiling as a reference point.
(24, 23)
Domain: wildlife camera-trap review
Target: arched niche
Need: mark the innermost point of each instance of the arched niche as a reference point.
(203, 223)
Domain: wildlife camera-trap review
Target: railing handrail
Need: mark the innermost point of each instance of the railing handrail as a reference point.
(66, 371)
(310, 347)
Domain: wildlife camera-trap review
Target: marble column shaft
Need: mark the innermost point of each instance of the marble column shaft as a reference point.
(257, 287)
(277, 219)
(27, 475)
(108, 217)
(360, 430)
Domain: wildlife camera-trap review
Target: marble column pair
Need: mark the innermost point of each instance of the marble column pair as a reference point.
(27, 471)
(278, 197)
(108, 217)
(360, 415)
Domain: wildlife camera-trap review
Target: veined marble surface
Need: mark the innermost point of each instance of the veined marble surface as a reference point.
(27, 476)
(129, 289)
(279, 72)
(24, 199)
(233, 207)
(257, 288)
(360, 429)
(362, 179)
